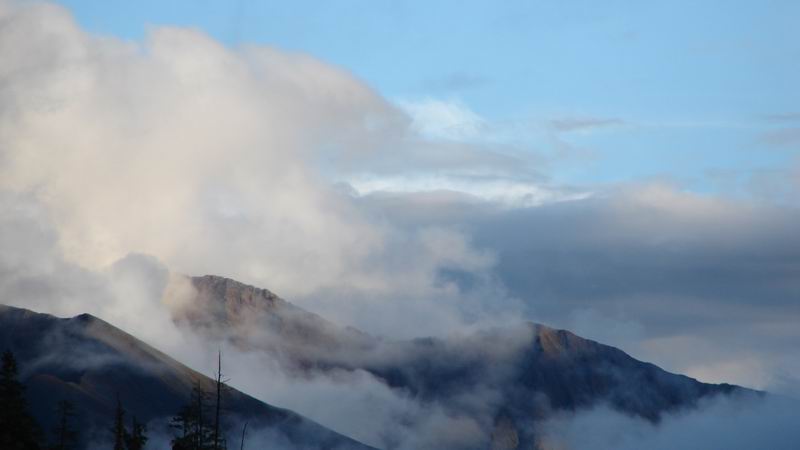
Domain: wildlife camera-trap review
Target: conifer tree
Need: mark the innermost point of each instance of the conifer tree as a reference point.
(118, 430)
(191, 423)
(18, 429)
(195, 430)
(66, 436)
(182, 424)
(137, 438)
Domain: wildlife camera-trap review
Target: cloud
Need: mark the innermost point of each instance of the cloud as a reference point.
(786, 137)
(721, 423)
(136, 294)
(509, 192)
(448, 120)
(659, 265)
(783, 117)
(214, 160)
(190, 159)
(568, 125)
(35, 275)
(362, 405)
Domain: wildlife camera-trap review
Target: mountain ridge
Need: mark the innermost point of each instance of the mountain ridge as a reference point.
(504, 379)
(90, 362)
(529, 370)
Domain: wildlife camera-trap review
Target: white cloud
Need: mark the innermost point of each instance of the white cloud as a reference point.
(516, 194)
(218, 160)
(736, 423)
(440, 119)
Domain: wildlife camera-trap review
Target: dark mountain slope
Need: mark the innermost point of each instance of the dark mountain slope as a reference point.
(90, 362)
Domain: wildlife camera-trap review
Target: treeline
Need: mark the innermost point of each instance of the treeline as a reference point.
(197, 426)
(18, 429)
(198, 423)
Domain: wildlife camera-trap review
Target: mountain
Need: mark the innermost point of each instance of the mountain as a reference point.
(507, 380)
(91, 363)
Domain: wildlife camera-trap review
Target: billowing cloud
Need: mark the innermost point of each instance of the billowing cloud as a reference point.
(697, 284)
(212, 160)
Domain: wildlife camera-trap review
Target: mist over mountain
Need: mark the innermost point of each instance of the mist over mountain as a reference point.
(501, 388)
(502, 382)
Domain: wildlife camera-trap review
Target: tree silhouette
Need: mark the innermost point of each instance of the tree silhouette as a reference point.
(66, 436)
(118, 430)
(18, 429)
(244, 432)
(137, 438)
(195, 433)
(219, 381)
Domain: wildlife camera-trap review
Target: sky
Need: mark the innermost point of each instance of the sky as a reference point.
(627, 171)
(701, 93)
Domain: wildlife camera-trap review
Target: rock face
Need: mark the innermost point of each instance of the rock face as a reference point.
(89, 362)
(507, 379)
(257, 319)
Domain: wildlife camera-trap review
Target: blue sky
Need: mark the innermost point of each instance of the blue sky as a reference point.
(694, 93)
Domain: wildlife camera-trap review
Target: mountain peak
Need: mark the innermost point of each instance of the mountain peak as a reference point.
(227, 308)
(230, 300)
(557, 342)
